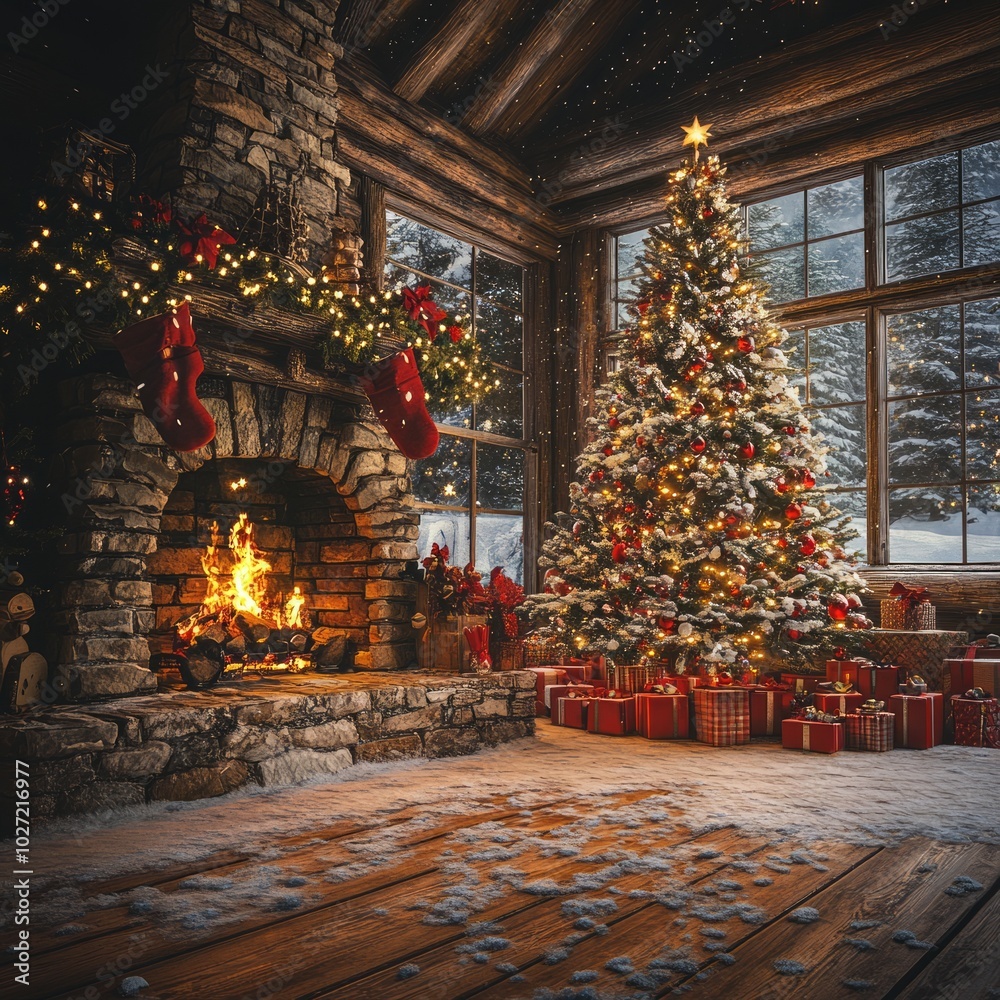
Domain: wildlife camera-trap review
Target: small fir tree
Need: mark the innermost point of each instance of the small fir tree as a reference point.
(697, 526)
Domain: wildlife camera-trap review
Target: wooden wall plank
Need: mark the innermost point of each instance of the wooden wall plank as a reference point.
(362, 24)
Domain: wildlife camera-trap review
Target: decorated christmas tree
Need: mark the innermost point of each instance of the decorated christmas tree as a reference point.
(699, 526)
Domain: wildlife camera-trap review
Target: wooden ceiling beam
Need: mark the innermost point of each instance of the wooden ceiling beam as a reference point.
(809, 82)
(470, 23)
(362, 24)
(550, 38)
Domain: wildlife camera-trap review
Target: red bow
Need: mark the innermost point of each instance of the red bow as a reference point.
(423, 309)
(906, 595)
(203, 239)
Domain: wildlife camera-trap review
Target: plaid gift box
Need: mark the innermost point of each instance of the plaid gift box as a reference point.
(819, 737)
(919, 652)
(871, 731)
(842, 703)
(662, 716)
(628, 677)
(913, 616)
(919, 720)
(539, 650)
(611, 716)
(985, 675)
(977, 722)
(555, 691)
(571, 712)
(801, 683)
(768, 707)
(722, 715)
(543, 677)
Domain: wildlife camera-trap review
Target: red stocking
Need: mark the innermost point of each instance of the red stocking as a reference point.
(161, 356)
(397, 396)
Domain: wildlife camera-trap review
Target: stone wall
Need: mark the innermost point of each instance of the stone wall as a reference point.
(115, 475)
(196, 745)
(250, 101)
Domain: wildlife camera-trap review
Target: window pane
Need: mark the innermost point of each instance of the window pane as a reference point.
(922, 351)
(501, 333)
(982, 343)
(623, 317)
(837, 363)
(925, 525)
(794, 348)
(982, 435)
(500, 479)
(843, 430)
(444, 477)
(921, 187)
(502, 411)
(777, 222)
(500, 542)
(428, 250)
(836, 265)
(922, 246)
(925, 440)
(855, 505)
(784, 271)
(499, 280)
(981, 234)
(445, 527)
(984, 524)
(630, 249)
(836, 208)
(981, 172)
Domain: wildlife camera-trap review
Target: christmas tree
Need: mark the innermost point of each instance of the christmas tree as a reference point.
(698, 526)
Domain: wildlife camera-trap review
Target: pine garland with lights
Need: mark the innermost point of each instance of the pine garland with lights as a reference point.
(697, 526)
(114, 265)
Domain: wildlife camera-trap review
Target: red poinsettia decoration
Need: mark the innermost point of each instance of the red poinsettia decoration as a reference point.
(151, 212)
(452, 590)
(503, 596)
(423, 309)
(202, 239)
(456, 333)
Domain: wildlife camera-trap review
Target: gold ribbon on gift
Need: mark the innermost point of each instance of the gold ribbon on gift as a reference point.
(805, 736)
(770, 696)
(906, 722)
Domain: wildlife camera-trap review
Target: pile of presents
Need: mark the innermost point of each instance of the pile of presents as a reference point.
(858, 705)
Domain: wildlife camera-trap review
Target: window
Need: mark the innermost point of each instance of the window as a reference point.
(471, 492)
(930, 490)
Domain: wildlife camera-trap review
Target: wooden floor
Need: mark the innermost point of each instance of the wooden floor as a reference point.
(352, 938)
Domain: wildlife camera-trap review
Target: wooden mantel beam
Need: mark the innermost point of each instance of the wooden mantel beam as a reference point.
(549, 39)
(851, 66)
(469, 23)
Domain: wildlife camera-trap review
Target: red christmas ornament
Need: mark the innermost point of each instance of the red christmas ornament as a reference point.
(630, 508)
(808, 479)
(780, 485)
(596, 476)
(613, 422)
(578, 529)
(793, 511)
(794, 634)
(837, 607)
(640, 442)
(642, 306)
(748, 450)
(789, 430)
(618, 551)
(698, 445)
(707, 213)
(608, 451)
(746, 344)
(782, 543)
(697, 408)
(807, 545)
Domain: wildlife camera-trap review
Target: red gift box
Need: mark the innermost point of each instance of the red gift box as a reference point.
(543, 677)
(845, 670)
(555, 691)
(871, 731)
(722, 715)
(768, 707)
(833, 702)
(819, 737)
(919, 720)
(571, 712)
(662, 716)
(685, 683)
(801, 683)
(985, 675)
(611, 716)
(977, 722)
(880, 683)
(593, 668)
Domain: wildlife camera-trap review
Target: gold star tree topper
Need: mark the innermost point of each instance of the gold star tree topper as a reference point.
(696, 135)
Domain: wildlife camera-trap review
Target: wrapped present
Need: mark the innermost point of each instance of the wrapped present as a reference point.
(919, 720)
(539, 650)
(594, 667)
(877, 682)
(722, 715)
(801, 683)
(571, 690)
(830, 701)
(768, 707)
(871, 731)
(685, 683)
(846, 671)
(628, 677)
(661, 716)
(611, 716)
(818, 737)
(545, 676)
(977, 721)
(571, 712)
(922, 652)
(986, 675)
(908, 608)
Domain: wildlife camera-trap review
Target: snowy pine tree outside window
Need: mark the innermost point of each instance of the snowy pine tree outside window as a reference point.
(471, 492)
(899, 375)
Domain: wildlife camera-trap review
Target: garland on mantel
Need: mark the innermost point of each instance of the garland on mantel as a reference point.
(69, 274)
